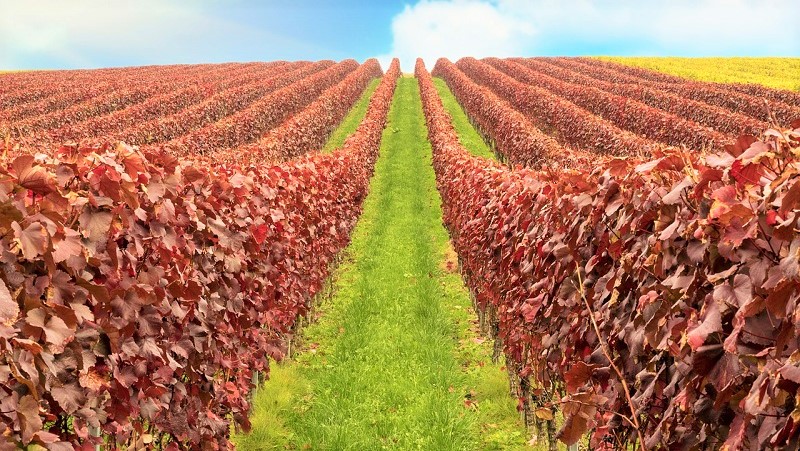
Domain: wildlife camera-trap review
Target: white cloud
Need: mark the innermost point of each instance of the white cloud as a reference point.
(457, 28)
(677, 27)
(730, 26)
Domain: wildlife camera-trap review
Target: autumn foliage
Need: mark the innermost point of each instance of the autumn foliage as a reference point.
(139, 293)
(191, 91)
(249, 124)
(218, 106)
(309, 129)
(624, 112)
(566, 122)
(513, 135)
(638, 259)
(652, 300)
(717, 118)
(750, 101)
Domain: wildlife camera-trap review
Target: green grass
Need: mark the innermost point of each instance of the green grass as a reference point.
(394, 355)
(351, 121)
(469, 137)
(779, 73)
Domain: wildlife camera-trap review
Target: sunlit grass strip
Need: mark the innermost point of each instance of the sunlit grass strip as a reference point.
(467, 134)
(351, 121)
(394, 361)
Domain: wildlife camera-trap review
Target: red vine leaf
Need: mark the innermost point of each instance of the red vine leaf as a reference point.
(33, 177)
(32, 240)
(9, 309)
(29, 420)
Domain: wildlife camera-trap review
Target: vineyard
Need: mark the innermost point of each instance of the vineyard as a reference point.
(624, 257)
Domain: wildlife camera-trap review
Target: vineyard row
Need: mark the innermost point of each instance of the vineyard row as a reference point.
(653, 301)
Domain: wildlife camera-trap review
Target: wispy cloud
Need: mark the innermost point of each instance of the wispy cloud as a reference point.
(455, 28)
(92, 33)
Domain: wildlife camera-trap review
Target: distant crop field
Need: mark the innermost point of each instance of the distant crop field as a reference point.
(779, 73)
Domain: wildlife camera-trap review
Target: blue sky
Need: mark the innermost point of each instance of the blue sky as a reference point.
(100, 33)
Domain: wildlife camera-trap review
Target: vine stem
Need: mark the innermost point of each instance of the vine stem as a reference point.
(607, 353)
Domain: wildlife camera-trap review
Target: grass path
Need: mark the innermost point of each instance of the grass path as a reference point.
(393, 360)
(353, 118)
(469, 137)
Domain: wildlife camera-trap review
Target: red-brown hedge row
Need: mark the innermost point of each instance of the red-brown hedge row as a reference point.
(567, 122)
(57, 80)
(89, 91)
(21, 88)
(719, 119)
(756, 90)
(111, 101)
(624, 112)
(262, 115)
(309, 129)
(711, 93)
(138, 295)
(687, 266)
(791, 98)
(56, 102)
(12, 95)
(103, 99)
(217, 107)
(633, 73)
(187, 92)
(759, 108)
(511, 132)
(603, 73)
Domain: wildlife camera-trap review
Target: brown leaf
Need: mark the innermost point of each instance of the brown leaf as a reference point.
(790, 372)
(192, 174)
(779, 297)
(9, 309)
(756, 152)
(790, 199)
(706, 357)
(712, 322)
(743, 143)
(56, 330)
(29, 420)
(67, 246)
(155, 191)
(53, 444)
(32, 240)
(95, 224)
(69, 397)
(134, 165)
(543, 413)
(577, 376)
(737, 294)
(574, 428)
(736, 435)
(674, 196)
(34, 178)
